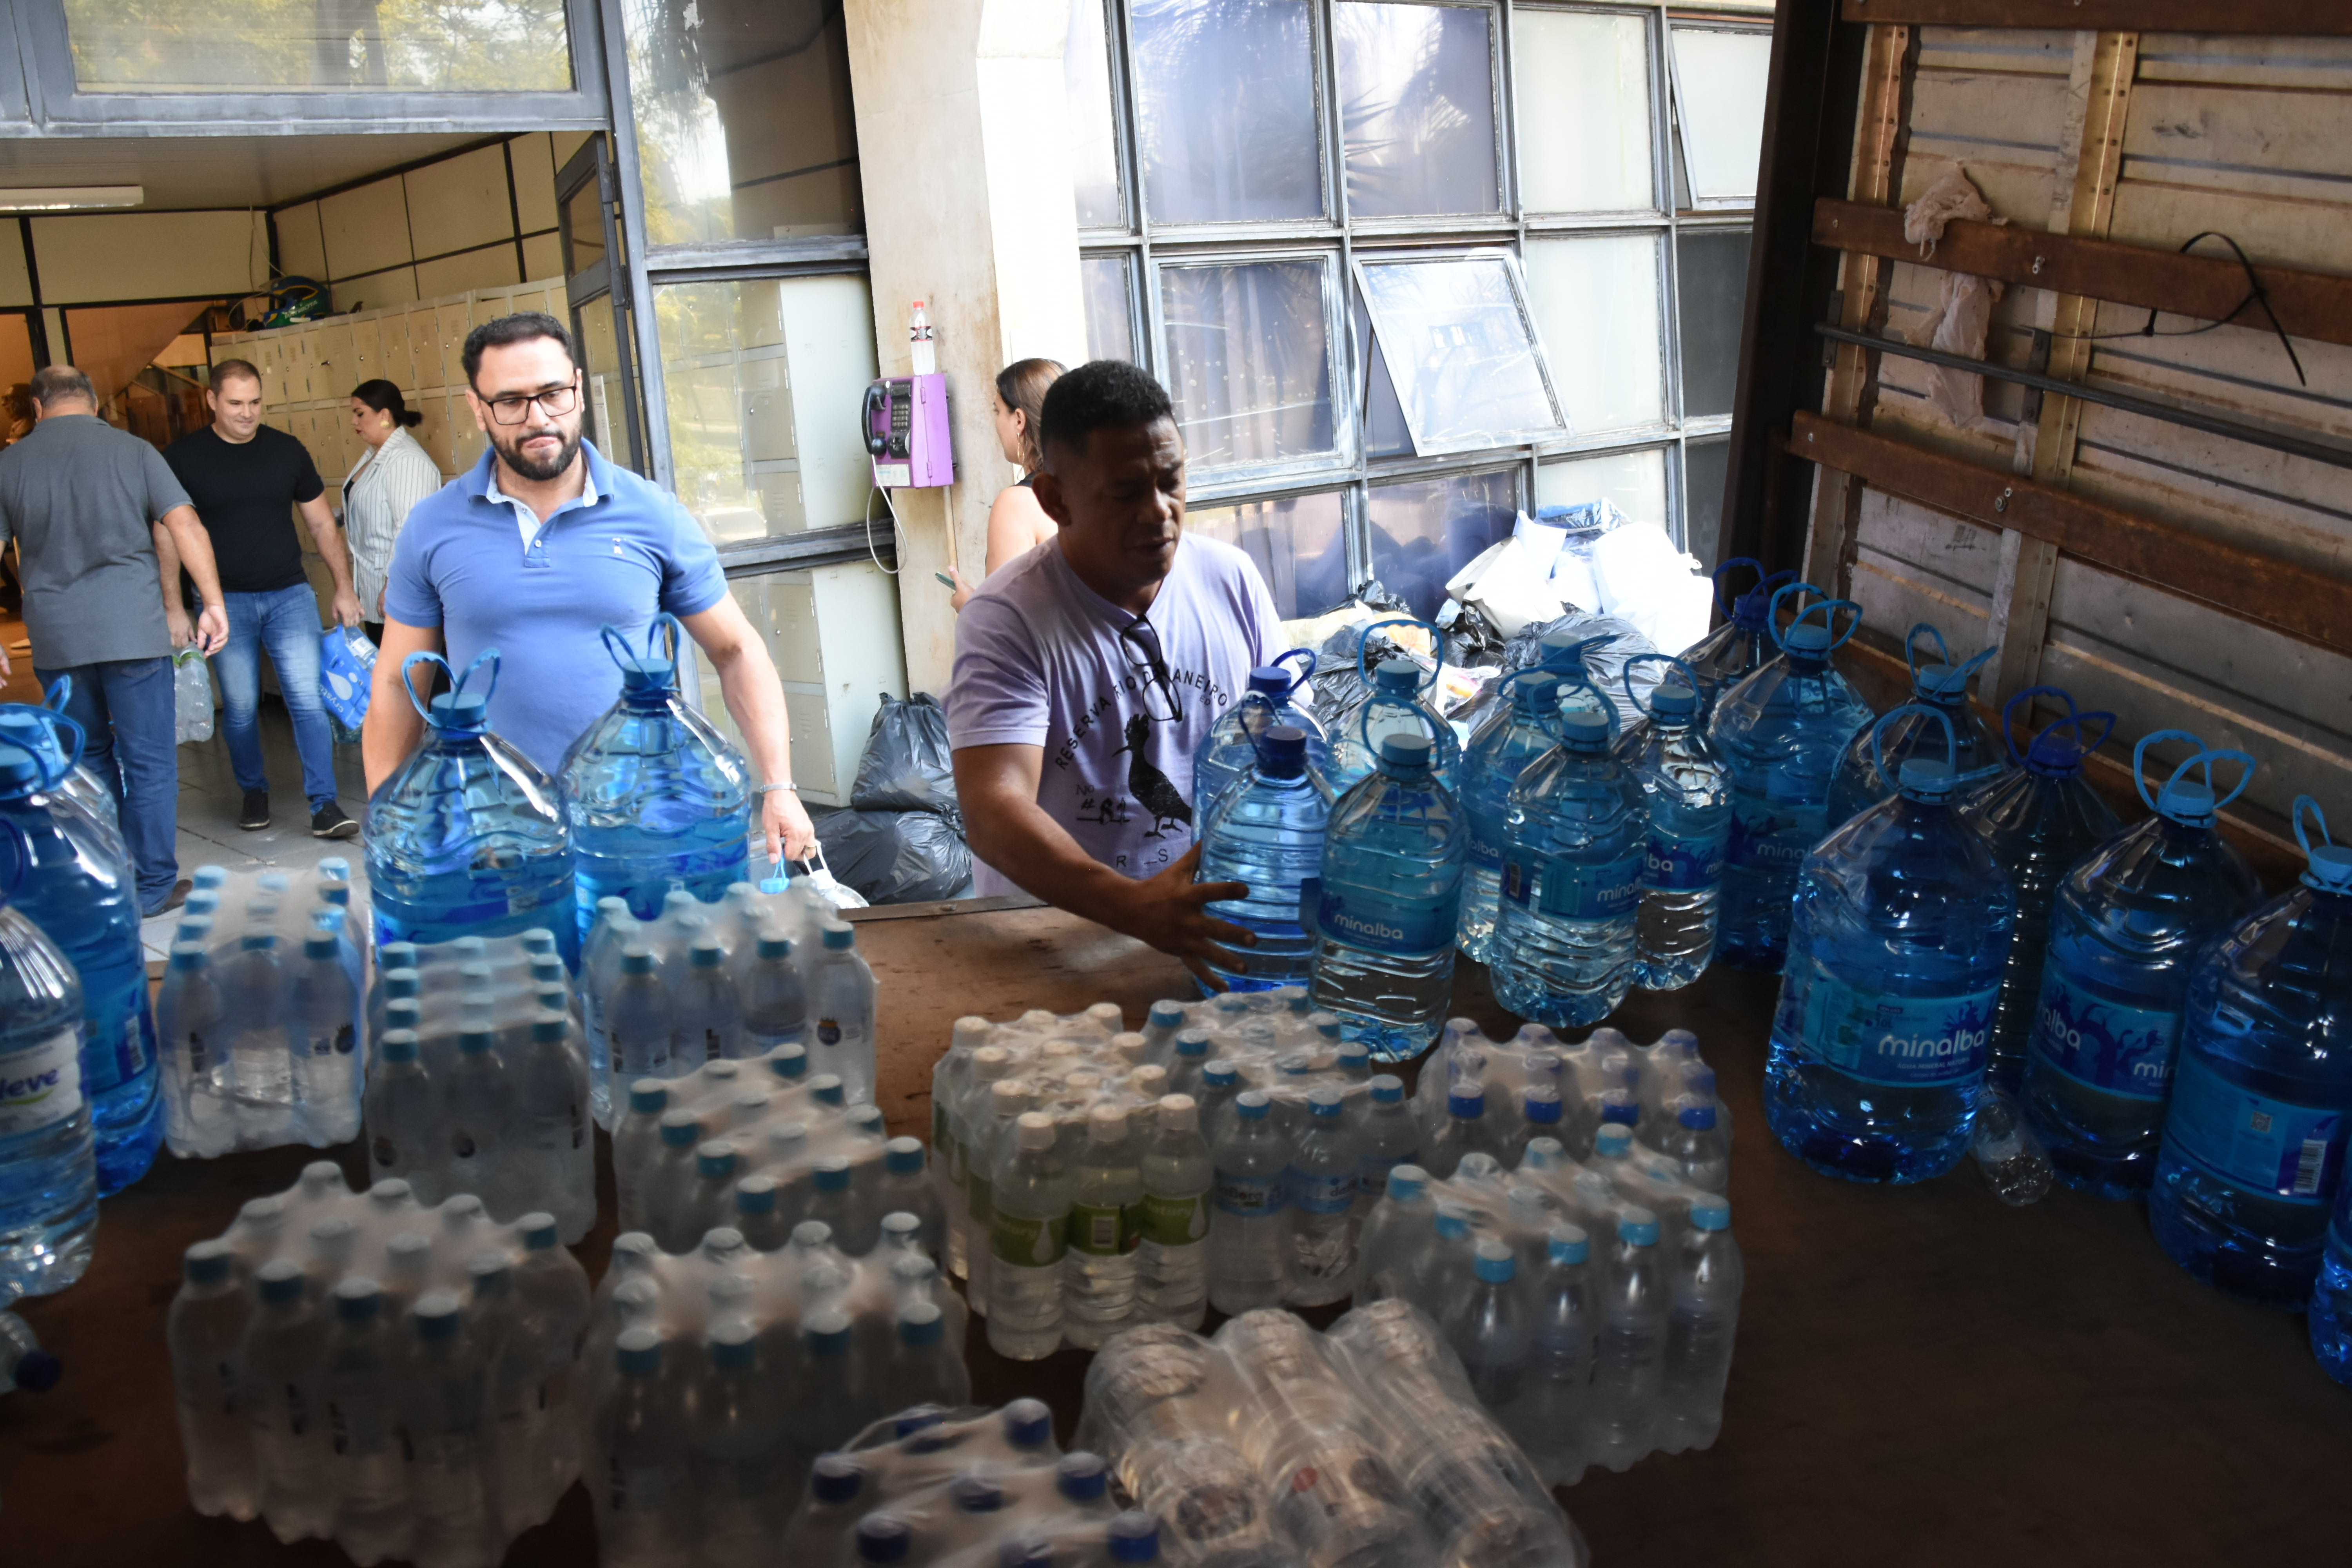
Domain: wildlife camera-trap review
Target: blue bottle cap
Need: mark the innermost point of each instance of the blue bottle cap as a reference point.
(679, 1129)
(548, 1027)
(1711, 1213)
(648, 1097)
(975, 1494)
(2055, 753)
(1297, 1064)
(1407, 1183)
(755, 1195)
(1387, 1089)
(537, 1231)
(1293, 999)
(1639, 1227)
(1082, 1477)
(1452, 1221)
(1192, 1043)
(903, 1156)
(788, 1061)
(826, 1332)
(215, 876)
(637, 960)
(476, 1042)
(1926, 778)
(1325, 1103)
(883, 1538)
(460, 710)
(1354, 1056)
(1542, 1154)
(1673, 702)
(732, 1344)
(835, 1478)
(1406, 754)
(38, 1371)
(1619, 1108)
(921, 1323)
(255, 941)
(706, 954)
(715, 1160)
(1466, 1101)
(1810, 640)
(1027, 1422)
(832, 1174)
(1270, 679)
(1328, 1025)
(2188, 801)
(1232, 1002)
(187, 955)
(437, 1317)
(1541, 1105)
(637, 1353)
(1253, 1105)
(1584, 730)
(1496, 1265)
(1536, 693)
(206, 1262)
(827, 1089)
(1282, 751)
(322, 944)
(1615, 1140)
(1134, 1538)
(839, 934)
(1699, 1118)
(1396, 675)
(358, 1298)
(403, 983)
(774, 944)
(1167, 1016)
(2330, 868)
(1567, 1244)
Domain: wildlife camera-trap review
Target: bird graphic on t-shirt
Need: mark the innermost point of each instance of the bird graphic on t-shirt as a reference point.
(1150, 786)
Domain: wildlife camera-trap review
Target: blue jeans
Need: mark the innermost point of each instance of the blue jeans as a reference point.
(130, 740)
(286, 623)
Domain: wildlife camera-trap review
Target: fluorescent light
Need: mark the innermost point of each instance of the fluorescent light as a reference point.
(68, 198)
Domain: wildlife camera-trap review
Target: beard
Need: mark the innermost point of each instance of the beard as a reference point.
(510, 450)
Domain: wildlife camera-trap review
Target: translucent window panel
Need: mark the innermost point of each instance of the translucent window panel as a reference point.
(1596, 299)
(1297, 543)
(1094, 143)
(1711, 284)
(745, 131)
(1110, 306)
(1706, 465)
(1425, 532)
(1417, 108)
(602, 329)
(1249, 361)
(1227, 101)
(1634, 481)
(315, 46)
(584, 224)
(1719, 79)
(1461, 352)
(1584, 111)
(1384, 432)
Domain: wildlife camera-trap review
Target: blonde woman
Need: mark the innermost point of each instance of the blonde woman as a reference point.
(380, 489)
(1016, 524)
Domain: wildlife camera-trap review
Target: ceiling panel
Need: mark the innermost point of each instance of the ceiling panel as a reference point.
(214, 171)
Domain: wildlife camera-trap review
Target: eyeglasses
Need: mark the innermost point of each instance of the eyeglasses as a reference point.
(1142, 638)
(555, 401)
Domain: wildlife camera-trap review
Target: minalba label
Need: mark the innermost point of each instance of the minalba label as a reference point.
(1914, 1042)
(40, 1085)
(2119, 1051)
(1683, 863)
(1385, 926)
(1774, 836)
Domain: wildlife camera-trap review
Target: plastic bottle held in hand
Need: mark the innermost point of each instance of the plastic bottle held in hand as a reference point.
(1266, 831)
(2039, 819)
(2330, 1311)
(48, 1172)
(841, 1006)
(654, 796)
(1395, 706)
(1550, 1413)
(1490, 1332)
(1703, 1278)
(1744, 640)
(1232, 748)
(2254, 1144)
(2125, 930)
(468, 836)
(1978, 756)
(1029, 1198)
(1578, 827)
(1325, 1161)
(1172, 1256)
(1629, 1346)
(281, 1360)
(1514, 735)
(1099, 1272)
(1386, 904)
(363, 1387)
(640, 1482)
(1688, 790)
(1249, 1236)
(1896, 953)
(1780, 732)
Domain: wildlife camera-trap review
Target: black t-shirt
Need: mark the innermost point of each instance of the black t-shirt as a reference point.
(245, 494)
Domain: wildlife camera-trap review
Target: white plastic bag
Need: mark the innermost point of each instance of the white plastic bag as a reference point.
(192, 697)
(822, 883)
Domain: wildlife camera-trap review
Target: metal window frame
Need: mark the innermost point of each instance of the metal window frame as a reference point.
(1686, 23)
(606, 281)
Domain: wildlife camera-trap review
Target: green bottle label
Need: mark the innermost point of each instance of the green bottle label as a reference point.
(1028, 1243)
(1104, 1230)
(1173, 1221)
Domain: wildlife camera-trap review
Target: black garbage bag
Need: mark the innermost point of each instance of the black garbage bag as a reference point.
(906, 765)
(896, 857)
(1471, 638)
(1339, 690)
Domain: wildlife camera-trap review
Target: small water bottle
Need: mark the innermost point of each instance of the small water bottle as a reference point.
(841, 1000)
(1549, 1415)
(920, 345)
(1171, 1258)
(1391, 1137)
(1704, 1283)
(1489, 1331)
(24, 1364)
(1325, 1162)
(707, 1023)
(1248, 1236)
(1029, 1231)
(1629, 1351)
(639, 1022)
(1106, 1214)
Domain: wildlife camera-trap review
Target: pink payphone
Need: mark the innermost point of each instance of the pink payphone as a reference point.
(906, 429)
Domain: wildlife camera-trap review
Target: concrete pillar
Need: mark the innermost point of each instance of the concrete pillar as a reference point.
(963, 147)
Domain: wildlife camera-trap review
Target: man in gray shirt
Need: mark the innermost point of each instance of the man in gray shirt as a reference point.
(88, 503)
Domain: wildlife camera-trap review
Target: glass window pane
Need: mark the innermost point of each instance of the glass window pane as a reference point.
(392, 46)
(1417, 108)
(1384, 432)
(1719, 82)
(1094, 144)
(755, 374)
(745, 131)
(1227, 101)
(602, 331)
(1249, 361)
(1425, 532)
(1110, 308)
(583, 223)
(1711, 283)
(1635, 481)
(1596, 300)
(1705, 467)
(1297, 544)
(1584, 111)
(1460, 352)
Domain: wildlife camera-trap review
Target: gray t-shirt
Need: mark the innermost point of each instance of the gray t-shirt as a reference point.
(83, 499)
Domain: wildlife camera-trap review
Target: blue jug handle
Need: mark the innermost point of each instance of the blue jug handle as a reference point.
(1689, 679)
(1759, 594)
(2139, 753)
(1735, 561)
(60, 693)
(2206, 760)
(1278, 660)
(672, 632)
(1364, 643)
(2303, 836)
(1878, 737)
(456, 683)
(2200, 754)
(2073, 721)
(1576, 674)
(1837, 639)
(1911, 648)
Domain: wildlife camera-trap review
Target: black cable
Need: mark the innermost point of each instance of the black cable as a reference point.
(2255, 295)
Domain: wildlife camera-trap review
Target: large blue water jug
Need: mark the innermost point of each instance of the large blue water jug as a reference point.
(1518, 731)
(1385, 902)
(1267, 832)
(2262, 1101)
(1860, 783)
(467, 837)
(1578, 829)
(77, 887)
(48, 1171)
(2330, 1313)
(2038, 820)
(1231, 749)
(1688, 788)
(654, 796)
(1900, 931)
(1743, 642)
(82, 785)
(1779, 730)
(78, 792)
(2125, 931)
(1398, 705)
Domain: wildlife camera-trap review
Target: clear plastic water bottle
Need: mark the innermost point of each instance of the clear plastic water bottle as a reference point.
(48, 1173)
(707, 1017)
(329, 1067)
(1704, 1279)
(556, 1143)
(1396, 707)
(1394, 1239)
(1628, 1345)
(776, 1004)
(204, 1328)
(2126, 929)
(480, 1102)
(640, 1022)
(199, 1116)
(1896, 955)
(1513, 736)
(1231, 747)
(68, 879)
(25, 1366)
(2329, 1314)
(262, 1038)
(1386, 904)
(2254, 1143)
(1699, 1140)
(406, 1123)
(1468, 1129)
(655, 795)
(1249, 1236)
(1325, 1163)
(1106, 1216)
(1780, 730)
(1578, 830)
(1391, 1137)
(1978, 756)
(1550, 1414)
(1266, 830)
(642, 1485)
(468, 836)
(600, 971)
(1172, 1256)
(841, 1006)
(2014, 1164)
(739, 1452)
(1689, 791)
(2039, 819)
(293, 1453)
(1490, 1330)
(1743, 642)
(1008, 1099)
(361, 1385)
(1029, 1202)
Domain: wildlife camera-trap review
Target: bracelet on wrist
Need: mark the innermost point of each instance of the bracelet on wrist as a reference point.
(772, 788)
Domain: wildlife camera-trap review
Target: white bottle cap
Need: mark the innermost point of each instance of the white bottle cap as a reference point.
(1108, 1124)
(1035, 1130)
(1010, 1097)
(1179, 1113)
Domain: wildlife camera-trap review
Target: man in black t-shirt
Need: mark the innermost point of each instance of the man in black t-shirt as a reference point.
(244, 476)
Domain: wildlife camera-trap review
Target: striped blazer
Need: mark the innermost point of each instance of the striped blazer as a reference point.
(378, 496)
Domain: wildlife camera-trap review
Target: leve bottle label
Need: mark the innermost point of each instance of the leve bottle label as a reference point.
(2253, 1141)
(1916, 1042)
(2120, 1050)
(40, 1085)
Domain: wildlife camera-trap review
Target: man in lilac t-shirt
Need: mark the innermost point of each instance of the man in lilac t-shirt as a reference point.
(1089, 670)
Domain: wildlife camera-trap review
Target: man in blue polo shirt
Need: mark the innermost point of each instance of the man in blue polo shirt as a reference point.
(543, 545)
